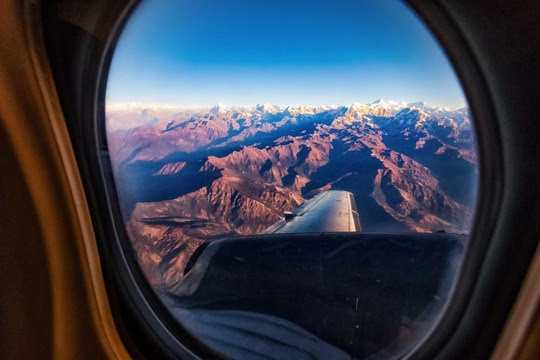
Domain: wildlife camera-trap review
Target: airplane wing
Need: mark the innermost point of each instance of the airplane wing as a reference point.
(259, 292)
(329, 211)
(247, 294)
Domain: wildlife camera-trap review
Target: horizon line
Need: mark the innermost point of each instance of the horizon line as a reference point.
(210, 106)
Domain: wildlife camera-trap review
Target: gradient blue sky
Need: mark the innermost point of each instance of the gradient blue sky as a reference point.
(192, 53)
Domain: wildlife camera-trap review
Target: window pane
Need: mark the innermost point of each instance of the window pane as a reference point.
(275, 206)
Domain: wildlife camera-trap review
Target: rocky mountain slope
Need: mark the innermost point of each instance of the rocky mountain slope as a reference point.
(205, 174)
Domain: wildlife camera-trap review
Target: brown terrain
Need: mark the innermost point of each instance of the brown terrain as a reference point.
(188, 176)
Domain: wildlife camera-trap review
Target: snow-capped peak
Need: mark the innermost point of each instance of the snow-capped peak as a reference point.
(411, 116)
(418, 105)
(388, 104)
(296, 110)
(380, 102)
(265, 108)
(218, 109)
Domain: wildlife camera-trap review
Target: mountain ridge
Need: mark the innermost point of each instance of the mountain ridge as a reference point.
(233, 171)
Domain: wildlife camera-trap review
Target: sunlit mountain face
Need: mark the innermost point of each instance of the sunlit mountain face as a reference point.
(185, 176)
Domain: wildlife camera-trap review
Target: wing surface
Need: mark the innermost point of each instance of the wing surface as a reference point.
(329, 211)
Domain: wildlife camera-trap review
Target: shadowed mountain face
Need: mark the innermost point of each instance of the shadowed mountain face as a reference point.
(202, 175)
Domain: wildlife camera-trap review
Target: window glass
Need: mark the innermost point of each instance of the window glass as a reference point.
(297, 178)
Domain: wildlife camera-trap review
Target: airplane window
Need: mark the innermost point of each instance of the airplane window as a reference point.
(297, 179)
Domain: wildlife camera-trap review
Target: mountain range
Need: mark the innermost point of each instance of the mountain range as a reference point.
(188, 176)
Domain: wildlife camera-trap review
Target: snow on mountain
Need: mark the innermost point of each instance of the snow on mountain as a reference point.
(411, 116)
(218, 109)
(388, 104)
(266, 108)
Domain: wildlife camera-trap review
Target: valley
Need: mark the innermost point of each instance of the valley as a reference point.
(188, 176)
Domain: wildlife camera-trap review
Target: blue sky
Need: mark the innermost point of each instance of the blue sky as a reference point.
(193, 53)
